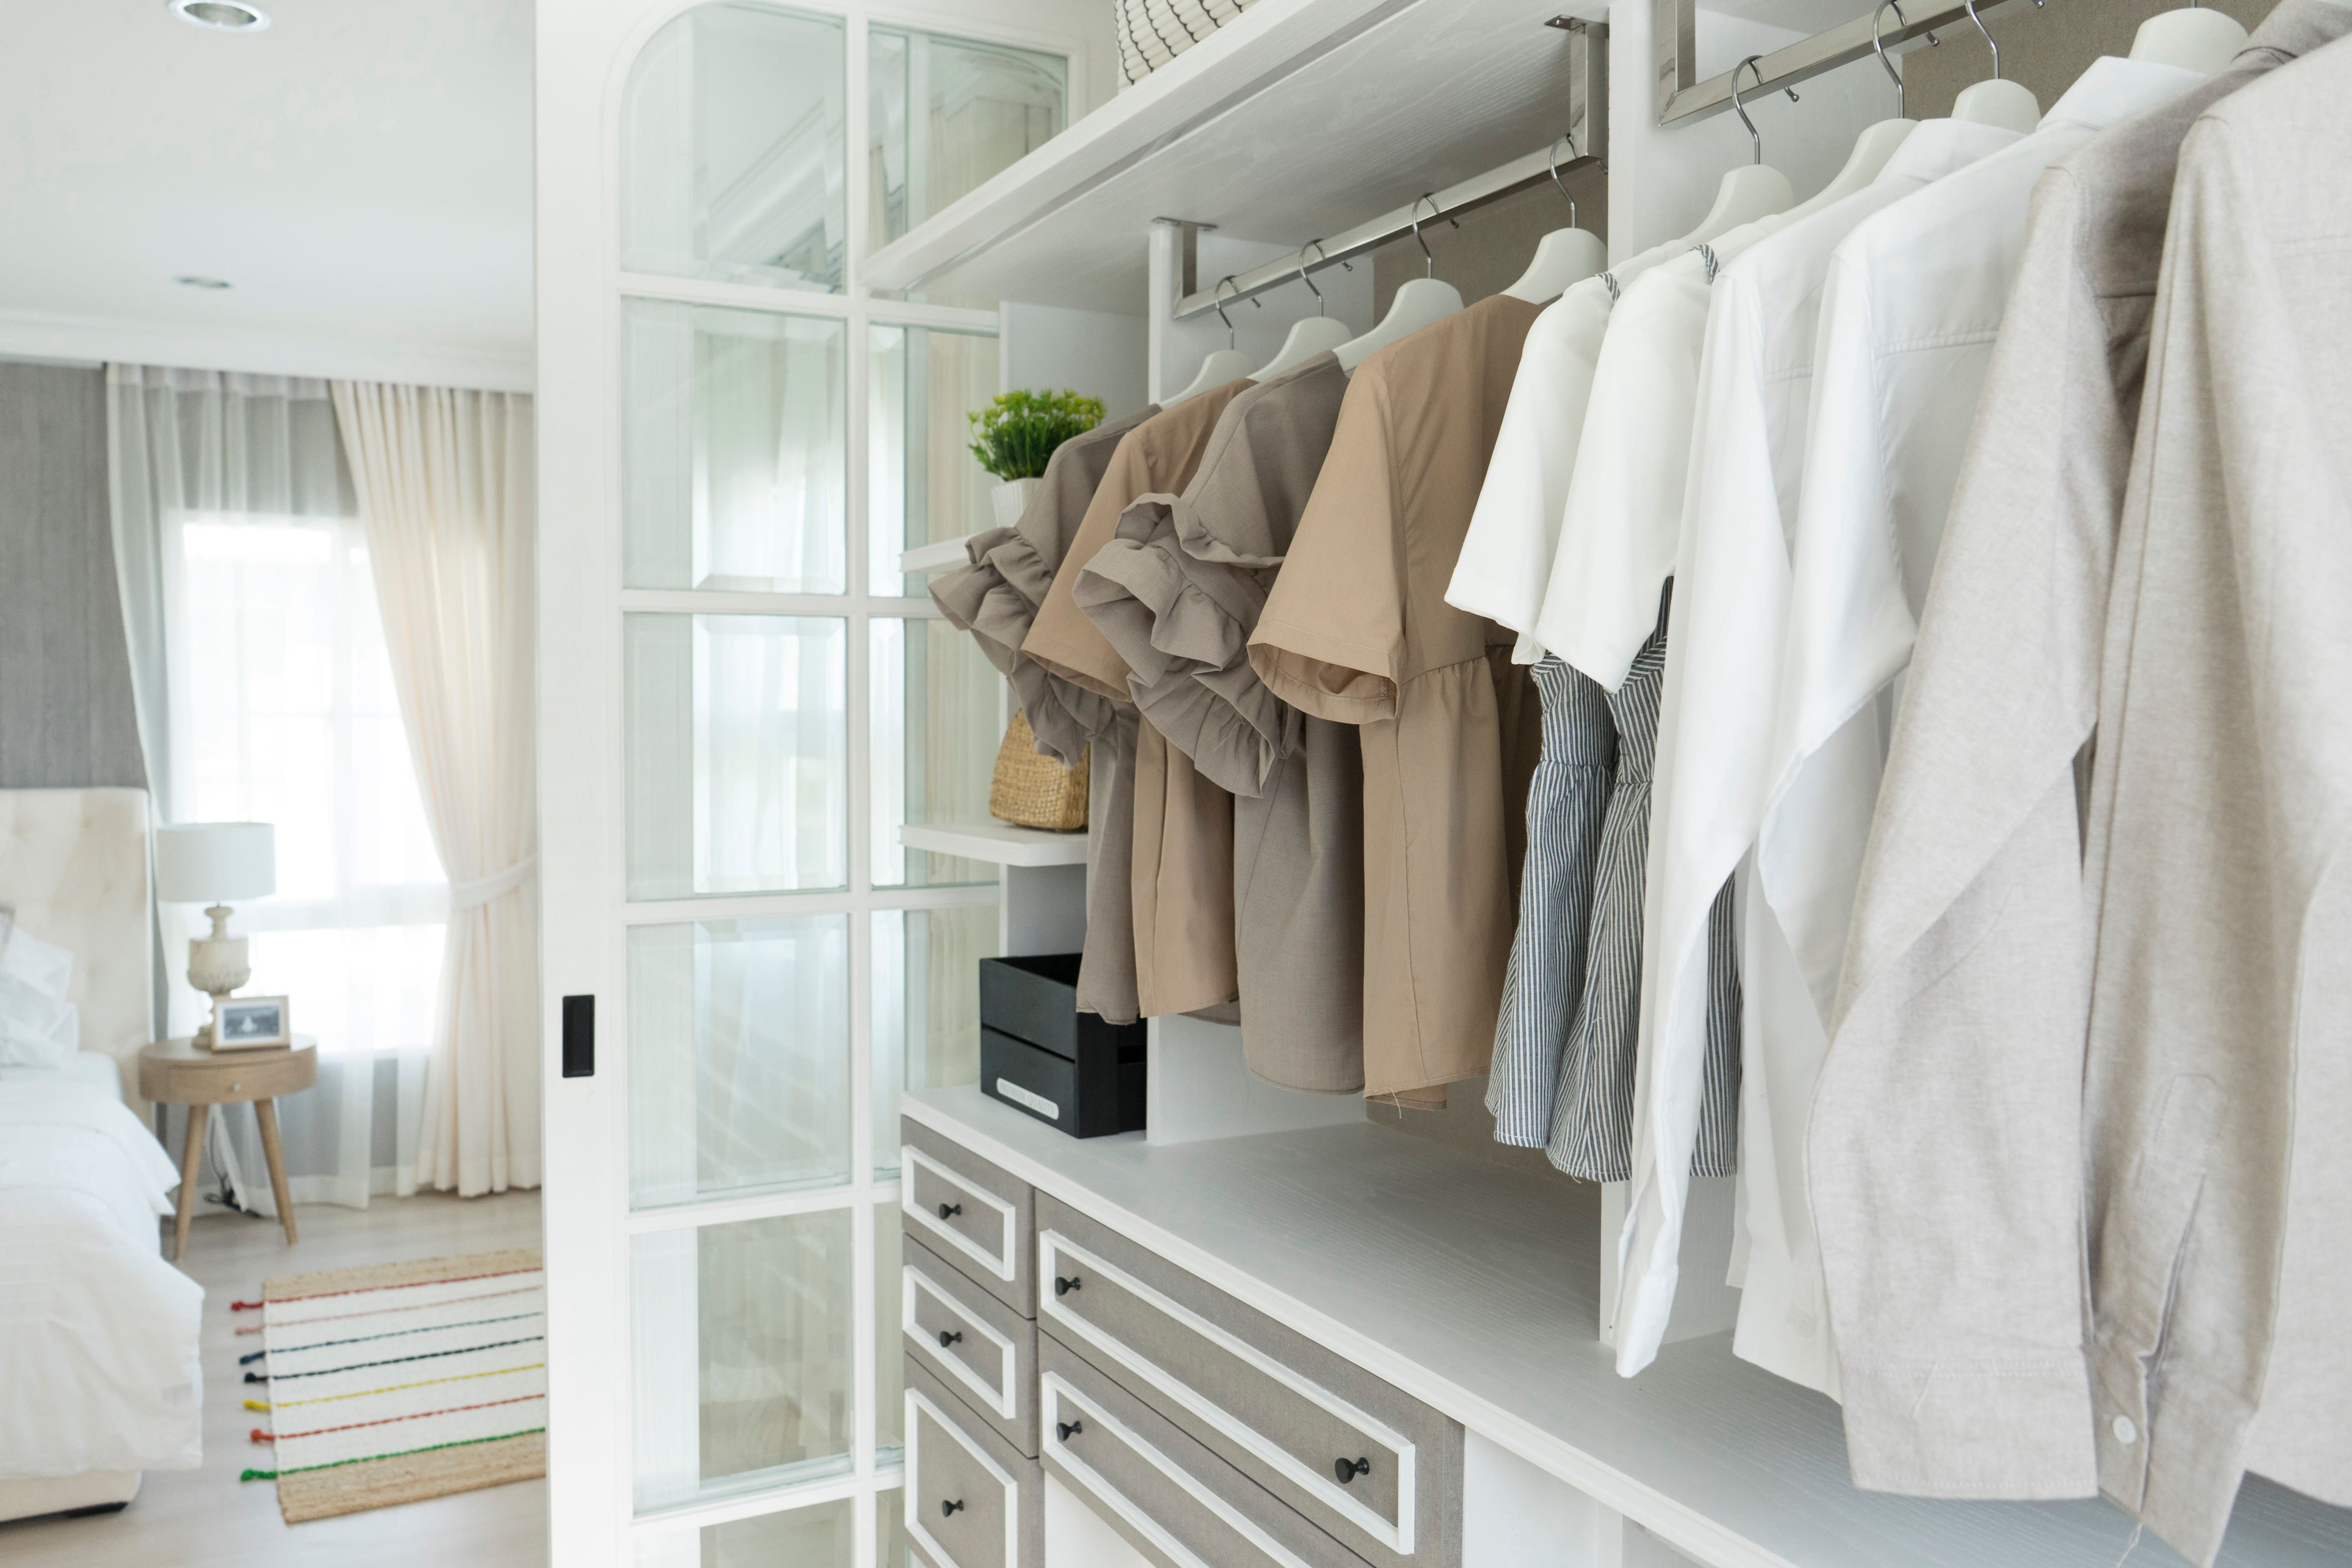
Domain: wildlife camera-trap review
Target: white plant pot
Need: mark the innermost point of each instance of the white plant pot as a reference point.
(1011, 498)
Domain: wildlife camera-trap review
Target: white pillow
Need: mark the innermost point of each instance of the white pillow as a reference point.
(39, 1027)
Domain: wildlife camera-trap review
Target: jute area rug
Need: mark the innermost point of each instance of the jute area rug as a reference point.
(400, 1382)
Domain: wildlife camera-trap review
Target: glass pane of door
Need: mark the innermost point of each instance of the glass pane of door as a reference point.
(734, 450)
(817, 1536)
(740, 1338)
(933, 696)
(926, 1008)
(946, 113)
(737, 753)
(923, 484)
(734, 157)
(739, 1056)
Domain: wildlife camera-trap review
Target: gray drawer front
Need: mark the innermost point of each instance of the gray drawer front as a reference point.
(970, 1213)
(990, 1356)
(1277, 1406)
(998, 1517)
(1180, 1505)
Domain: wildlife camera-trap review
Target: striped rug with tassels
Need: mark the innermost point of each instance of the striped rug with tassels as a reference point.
(399, 1381)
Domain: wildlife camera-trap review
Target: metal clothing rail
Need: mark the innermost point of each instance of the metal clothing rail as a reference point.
(1673, 39)
(1586, 123)
(1471, 194)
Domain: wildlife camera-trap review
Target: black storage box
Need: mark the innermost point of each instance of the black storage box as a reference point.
(1040, 1055)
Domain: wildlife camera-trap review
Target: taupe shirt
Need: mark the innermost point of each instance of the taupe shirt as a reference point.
(995, 598)
(1357, 630)
(1168, 902)
(1959, 1039)
(1178, 594)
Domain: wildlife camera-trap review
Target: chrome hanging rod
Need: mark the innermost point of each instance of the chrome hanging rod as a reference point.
(1517, 176)
(1681, 95)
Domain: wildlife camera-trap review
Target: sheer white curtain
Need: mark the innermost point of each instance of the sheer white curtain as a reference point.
(445, 485)
(265, 693)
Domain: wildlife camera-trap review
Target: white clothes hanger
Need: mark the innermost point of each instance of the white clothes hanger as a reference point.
(1225, 364)
(1421, 301)
(1745, 194)
(1565, 256)
(1310, 336)
(2194, 37)
(1877, 141)
(2005, 104)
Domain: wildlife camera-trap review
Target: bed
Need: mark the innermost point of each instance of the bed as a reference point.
(99, 1379)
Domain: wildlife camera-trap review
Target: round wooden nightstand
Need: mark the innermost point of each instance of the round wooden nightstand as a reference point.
(179, 1072)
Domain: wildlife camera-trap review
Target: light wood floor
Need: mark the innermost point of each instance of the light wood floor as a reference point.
(207, 1517)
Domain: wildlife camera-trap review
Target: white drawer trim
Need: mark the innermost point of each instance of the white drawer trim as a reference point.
(919, 1402)
(1054, 1391)
(1005, 1262)
(1002, 1398)
(1051, 1246)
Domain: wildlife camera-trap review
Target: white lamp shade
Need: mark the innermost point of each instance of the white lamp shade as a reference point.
(215, 862)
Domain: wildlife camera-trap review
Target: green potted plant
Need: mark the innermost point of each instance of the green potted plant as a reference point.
(1014, 434)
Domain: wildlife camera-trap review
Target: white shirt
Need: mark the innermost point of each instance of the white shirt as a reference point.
(1715, 732)
(1507, 555)
(1911, 305)
(1624, 505)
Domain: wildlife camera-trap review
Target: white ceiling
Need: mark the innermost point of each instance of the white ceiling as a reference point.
(359, 172)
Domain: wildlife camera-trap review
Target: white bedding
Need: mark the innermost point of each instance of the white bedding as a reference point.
(99, 1365)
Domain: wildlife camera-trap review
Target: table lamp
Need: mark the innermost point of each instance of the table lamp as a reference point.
(211, 863)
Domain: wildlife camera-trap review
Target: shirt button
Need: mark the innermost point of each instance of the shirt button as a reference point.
(2125, 1432)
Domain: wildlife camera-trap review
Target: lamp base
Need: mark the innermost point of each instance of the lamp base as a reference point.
(218, 966)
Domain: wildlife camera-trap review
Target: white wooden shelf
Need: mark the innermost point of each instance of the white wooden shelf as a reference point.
(1474, 1287)
(1264, 129)
(935, 557)
(998, 841)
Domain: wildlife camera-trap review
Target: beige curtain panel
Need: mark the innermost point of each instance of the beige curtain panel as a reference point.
(445, 488)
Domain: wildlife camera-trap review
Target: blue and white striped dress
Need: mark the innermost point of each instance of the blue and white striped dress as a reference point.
(1567, 800)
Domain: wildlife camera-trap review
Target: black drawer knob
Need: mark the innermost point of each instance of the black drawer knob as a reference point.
(1349, 1469)
(1064, 1286)
(1069, 1429)
(949, 1336)
(949, 1211)
(948, 1508)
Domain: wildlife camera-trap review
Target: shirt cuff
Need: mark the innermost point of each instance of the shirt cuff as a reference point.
(2011, 1428)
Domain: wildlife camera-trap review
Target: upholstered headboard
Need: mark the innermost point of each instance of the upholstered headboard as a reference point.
(74, 862)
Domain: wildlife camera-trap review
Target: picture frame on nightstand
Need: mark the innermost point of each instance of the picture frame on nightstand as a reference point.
(252, 1023)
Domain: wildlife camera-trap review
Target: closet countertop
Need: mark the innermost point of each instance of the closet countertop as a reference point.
(1474, 1287)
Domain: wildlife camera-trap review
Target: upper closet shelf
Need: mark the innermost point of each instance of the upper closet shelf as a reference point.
(1000, 842)
(1298, 119)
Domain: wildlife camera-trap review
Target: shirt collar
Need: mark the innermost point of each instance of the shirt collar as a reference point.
(2115, 89)
(2294, 29)
(1938, 147)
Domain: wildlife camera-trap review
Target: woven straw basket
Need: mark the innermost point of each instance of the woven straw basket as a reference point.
(1032, 791)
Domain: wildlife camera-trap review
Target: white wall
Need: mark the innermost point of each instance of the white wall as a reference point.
(1662, 178)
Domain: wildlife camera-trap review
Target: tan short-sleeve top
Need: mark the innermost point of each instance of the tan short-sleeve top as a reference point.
(1357, 629)
(995, 597)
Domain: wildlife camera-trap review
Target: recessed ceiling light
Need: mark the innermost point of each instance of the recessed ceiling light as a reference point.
(221, 16)
(191, 281)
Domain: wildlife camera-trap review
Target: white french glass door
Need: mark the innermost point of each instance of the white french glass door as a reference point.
(742, 698)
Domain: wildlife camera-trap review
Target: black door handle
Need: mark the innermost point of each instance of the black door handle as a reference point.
(1349, 1469)
(948, 1338)
(1064, 1286)
(949, 1211)
(1069, 1429)
(948, 1508)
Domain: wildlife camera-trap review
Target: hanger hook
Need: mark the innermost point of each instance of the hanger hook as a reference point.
(1316, 246)
(1428, 262)
(1568, 137)
(1220, 304)
(1880, 44)
(1740, 108)
(1988, 37)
